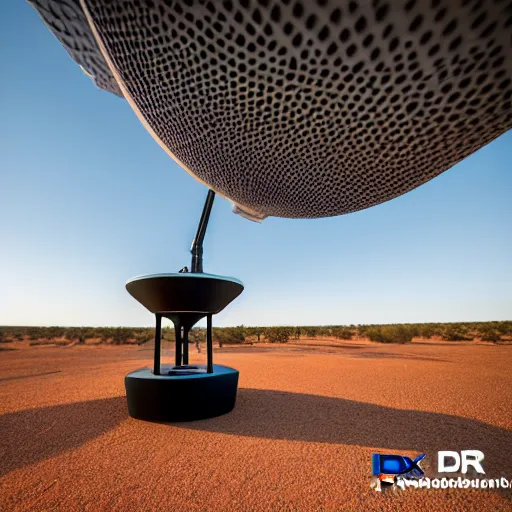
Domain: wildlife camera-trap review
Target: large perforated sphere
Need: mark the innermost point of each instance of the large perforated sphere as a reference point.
(302, 109)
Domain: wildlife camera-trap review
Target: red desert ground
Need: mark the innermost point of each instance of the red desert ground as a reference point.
(309, 415)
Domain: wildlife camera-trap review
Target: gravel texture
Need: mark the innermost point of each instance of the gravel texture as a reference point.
(308, 417)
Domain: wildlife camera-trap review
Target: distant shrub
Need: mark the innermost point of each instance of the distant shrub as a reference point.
(426, 331)
(56, 332)
(71, 334)
(33, 333)
(363, 330)
(47, 333)
(455, 333)
(4, 338)
(278, 334)
(44, 333)
(413, 329)
(79, 334)
(502, 328)
(490, 335)
(142, 336)
(326, 330)
(253, 331)
(374, 334)
(105, 333)
(258, 331)
(229, 335)
(197, 335)
(343, 333)
(311, 331)
(237, 334)
(121, 335)
(168, 333)
(115, 335)
(390, 334)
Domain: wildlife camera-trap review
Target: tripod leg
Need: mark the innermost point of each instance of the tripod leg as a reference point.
(177, 332)
(158, 344)
(185, 346)
(209, 344)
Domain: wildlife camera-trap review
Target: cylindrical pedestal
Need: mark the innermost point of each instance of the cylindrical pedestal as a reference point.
(171, 398)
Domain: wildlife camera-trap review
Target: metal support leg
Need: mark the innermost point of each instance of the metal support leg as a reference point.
(177, 332)
(158, 344)
(185, 346)
(197, 244)
(209, 344)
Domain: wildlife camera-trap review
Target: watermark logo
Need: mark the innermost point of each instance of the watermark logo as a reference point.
(387, 468)
(392, 471)
(460, 462)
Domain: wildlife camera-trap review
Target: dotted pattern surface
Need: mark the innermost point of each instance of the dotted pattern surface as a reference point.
(66, 19)
(313, 108)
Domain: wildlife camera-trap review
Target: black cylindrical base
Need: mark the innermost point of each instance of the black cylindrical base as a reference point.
(181, 397)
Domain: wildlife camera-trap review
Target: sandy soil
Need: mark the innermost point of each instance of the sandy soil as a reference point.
(308, 417)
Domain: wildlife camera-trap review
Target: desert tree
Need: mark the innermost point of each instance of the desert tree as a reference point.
(277, 334)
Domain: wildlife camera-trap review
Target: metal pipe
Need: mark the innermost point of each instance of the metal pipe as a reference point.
(209, 344)
(197, 244)
(158, 344)
(177, 336)
(185, 345)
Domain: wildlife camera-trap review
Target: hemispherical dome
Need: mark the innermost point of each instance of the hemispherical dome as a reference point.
(302, 109)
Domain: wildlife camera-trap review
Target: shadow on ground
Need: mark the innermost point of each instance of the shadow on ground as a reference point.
(302, 417)
(296, 344)
(36, 434)
(353, 351)
(393, 355)
(22, 377)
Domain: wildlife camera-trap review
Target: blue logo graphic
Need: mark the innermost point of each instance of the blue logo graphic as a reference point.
(385, 468)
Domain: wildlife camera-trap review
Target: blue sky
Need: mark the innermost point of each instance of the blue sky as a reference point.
(89, 200)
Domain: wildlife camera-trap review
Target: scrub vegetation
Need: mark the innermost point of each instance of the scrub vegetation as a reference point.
(396, 333)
